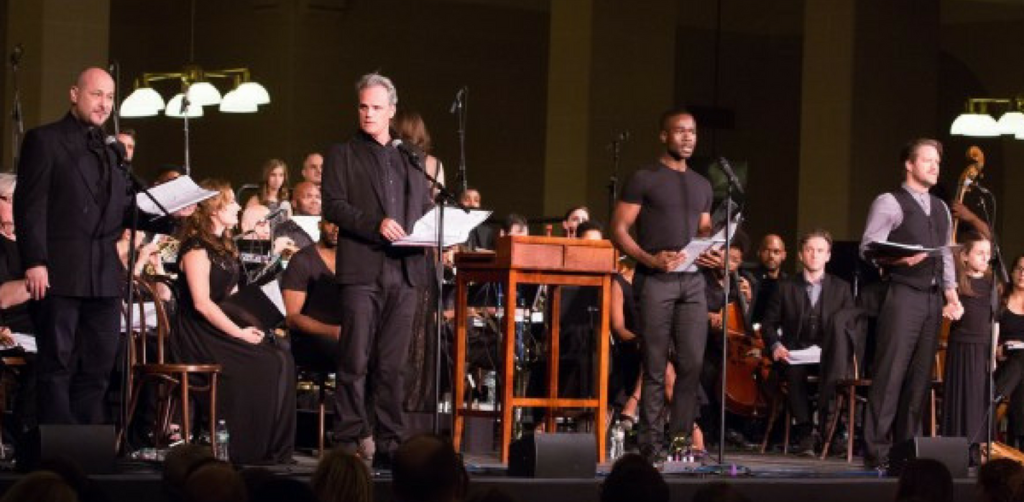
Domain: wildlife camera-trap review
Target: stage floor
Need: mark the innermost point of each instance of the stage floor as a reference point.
(771, 477)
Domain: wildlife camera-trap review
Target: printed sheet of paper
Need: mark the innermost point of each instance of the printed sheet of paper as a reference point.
(173, 195)
(457, 225)
(810, 355)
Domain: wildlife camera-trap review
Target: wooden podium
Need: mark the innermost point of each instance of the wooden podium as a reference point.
(556, 262)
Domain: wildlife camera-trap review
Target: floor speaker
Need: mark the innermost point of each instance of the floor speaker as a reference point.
(558, 455)
(89, 446)
(951, 451)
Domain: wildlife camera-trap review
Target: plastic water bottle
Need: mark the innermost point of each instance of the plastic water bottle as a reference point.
(618, 435)
(490, 384)
(221, 438)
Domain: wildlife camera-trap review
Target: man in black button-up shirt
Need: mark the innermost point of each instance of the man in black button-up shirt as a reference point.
(372, 193)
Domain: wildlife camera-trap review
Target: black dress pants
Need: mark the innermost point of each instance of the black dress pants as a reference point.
(673, 313)
(77, 340)
(907, 339)
(376, 322)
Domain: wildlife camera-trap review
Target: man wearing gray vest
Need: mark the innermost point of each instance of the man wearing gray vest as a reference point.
(908, 324)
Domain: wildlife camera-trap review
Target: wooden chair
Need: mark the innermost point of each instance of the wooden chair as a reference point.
(169, 376)
(781, 400)
(846, 396)
(11, 364)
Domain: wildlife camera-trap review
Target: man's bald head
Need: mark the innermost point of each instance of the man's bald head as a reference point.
(306, 199)
(92, 96)
(772, 252)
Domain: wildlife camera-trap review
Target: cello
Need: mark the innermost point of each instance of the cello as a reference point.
(747, 366)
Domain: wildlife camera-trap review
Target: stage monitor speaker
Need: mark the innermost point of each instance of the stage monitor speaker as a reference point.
(951, 451)
(558, 455)
(91, 447)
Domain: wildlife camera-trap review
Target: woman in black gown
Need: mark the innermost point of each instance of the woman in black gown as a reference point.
(256, 396)
(1011, 361)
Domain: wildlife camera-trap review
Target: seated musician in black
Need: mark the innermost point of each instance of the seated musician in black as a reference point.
(311, 301)
(798, 316)
(740, 295)
(14, 315)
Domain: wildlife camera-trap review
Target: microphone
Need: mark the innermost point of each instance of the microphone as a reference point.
(117, 147)
(271, 215)
(16, 53)
(458, 100)
(723, 164)
(977, 185)
(413, 155)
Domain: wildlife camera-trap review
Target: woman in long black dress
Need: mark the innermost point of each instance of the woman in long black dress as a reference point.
(967, 356)
(256, 396)
(1011, 361)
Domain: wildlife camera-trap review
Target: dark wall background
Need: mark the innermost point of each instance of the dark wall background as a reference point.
(309, 55)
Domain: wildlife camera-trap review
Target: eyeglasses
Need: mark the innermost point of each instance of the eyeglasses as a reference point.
(1018, 270)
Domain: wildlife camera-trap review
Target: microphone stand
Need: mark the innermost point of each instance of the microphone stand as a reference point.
(185, 105)
(725, 315)
(459, 109)
(443, 195)
(1000, 267)
(16, 116)
(135, 187)
(613, 180)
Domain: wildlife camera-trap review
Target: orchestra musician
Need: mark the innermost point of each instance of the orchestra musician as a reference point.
(798, 316)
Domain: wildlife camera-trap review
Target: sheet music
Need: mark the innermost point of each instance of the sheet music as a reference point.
(173, 195)
(26, 342)
(897, 250)
(810, 355)
(699, 245)
(457, 225)
(693, 251)
(310, 225)
(273, 291)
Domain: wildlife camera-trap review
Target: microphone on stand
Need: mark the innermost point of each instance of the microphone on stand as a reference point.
(117, 147)
(16, 53)
(723, 164)
(458, 100)
(411, 153)
(977, 185)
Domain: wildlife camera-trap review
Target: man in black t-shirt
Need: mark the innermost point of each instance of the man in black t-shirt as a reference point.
(311, 301)
(669, 204)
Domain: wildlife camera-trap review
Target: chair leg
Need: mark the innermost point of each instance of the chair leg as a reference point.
(132, 403)
(186, 417)
(785, 436)
(851, 406)
(214, 377)
(772, 415)
(321, 420)
(932, 403)
(833, 424)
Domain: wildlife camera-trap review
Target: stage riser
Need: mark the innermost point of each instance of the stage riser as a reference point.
(132, 488)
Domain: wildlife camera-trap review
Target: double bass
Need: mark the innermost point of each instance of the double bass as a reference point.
(968, 177)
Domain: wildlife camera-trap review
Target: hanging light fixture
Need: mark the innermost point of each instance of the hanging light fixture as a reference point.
(245, 95)
(196, 91)
(977, 122)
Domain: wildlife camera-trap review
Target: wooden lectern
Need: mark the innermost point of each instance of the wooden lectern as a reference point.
(556, 262)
